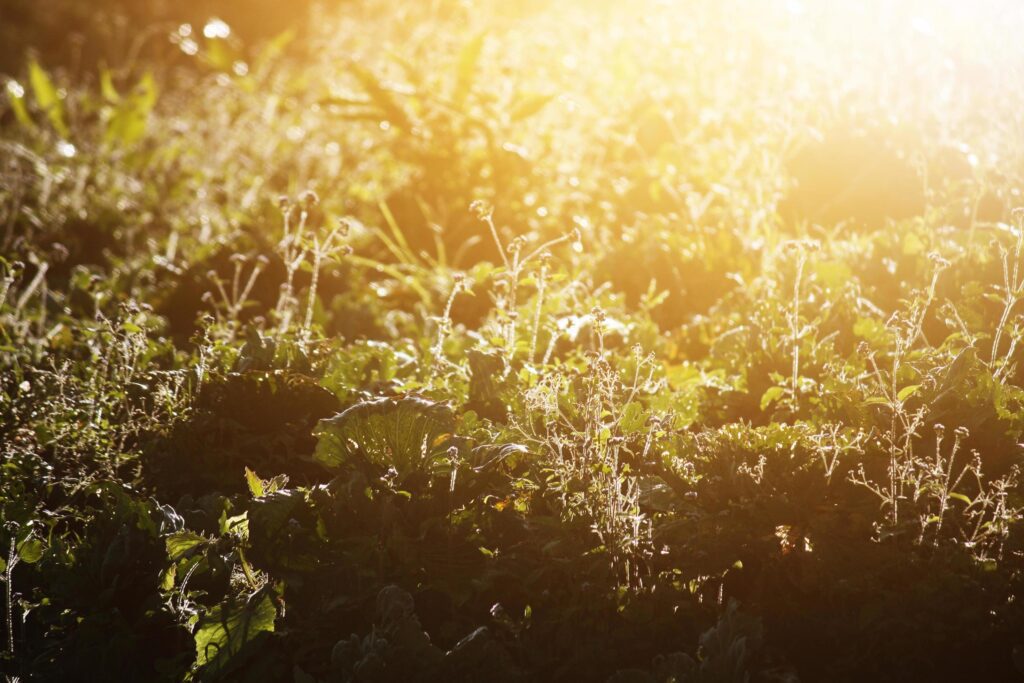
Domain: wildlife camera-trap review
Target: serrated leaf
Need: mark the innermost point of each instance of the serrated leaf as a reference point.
(254, 483)
(224, 630)
(180, 543)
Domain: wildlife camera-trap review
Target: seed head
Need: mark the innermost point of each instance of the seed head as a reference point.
(309, 199)
(481, 209)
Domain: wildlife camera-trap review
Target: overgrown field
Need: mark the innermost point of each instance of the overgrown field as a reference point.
(635, 342)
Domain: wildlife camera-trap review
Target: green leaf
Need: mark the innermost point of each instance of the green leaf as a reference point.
(633, 419)
(771, 395)
(30, 550)
(276, 483)
(907, 392)
(107, 87)
(235, 523)
(167, 578)
(386, 432)
(912, 244)
(224, 630)
(833, 274)
(127, 124)
(47, 96)
(961, 497)
(181, 542)
(872, 330)
(254, 482)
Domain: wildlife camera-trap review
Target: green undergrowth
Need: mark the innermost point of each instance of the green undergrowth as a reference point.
(510, 342)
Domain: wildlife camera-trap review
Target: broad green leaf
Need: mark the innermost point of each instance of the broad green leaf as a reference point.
(387, 432)
(47, 96)
(127, 124)
(833, 274)
(30, 550)
(181, 542)
(633, 419)
(224, 630)
(872, 330)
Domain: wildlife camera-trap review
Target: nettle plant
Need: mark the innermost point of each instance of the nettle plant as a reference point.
(943, 496)
(303, 247)
(593, 434)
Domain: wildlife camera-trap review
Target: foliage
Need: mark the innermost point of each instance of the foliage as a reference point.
(510, 341)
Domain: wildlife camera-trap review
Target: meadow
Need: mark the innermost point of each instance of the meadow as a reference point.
(651, 342)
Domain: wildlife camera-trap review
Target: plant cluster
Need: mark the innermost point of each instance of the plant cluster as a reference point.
(514, 342)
